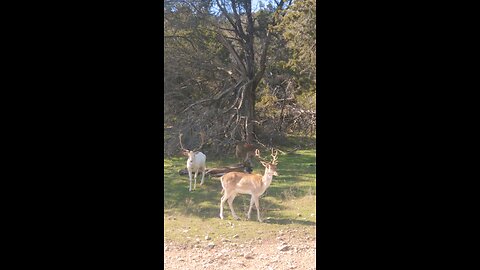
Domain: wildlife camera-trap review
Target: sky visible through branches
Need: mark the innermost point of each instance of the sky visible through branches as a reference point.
(255, 4)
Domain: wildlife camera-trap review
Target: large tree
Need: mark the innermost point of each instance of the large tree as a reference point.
(225, 72)
(239, 37)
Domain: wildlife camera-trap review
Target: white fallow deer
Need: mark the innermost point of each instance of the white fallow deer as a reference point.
(234, 183)
(195, 162)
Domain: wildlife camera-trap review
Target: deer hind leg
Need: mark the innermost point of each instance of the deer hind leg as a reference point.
(257, 205)
(222, 200)
(203, 176)
(230, 204)
(190, 178)
(250, 209)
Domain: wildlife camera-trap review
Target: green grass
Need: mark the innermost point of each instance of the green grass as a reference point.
(288, 203)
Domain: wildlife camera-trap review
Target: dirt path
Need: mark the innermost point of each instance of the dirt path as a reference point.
(291, 249)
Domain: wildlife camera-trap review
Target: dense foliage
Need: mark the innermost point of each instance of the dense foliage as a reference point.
(238, 72)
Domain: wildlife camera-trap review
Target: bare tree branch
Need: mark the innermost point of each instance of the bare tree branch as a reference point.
(225, 13)
(234, 53)
(241, 33)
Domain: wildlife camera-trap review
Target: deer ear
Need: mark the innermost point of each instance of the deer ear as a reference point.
(185, 153)
(264, 164)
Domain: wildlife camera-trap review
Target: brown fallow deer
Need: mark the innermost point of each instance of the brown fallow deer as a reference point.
(234, 183)
(245, 151)
(195, 162)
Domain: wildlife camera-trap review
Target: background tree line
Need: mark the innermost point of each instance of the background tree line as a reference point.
(238, 72)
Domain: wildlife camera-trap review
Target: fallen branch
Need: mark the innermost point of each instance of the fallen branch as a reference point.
(218, 172)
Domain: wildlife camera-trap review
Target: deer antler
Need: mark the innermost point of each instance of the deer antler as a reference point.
(202, 137)
(274, 157)
(180, 139)
(257, 154)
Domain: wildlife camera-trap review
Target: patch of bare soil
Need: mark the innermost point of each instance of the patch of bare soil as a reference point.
(291, 249)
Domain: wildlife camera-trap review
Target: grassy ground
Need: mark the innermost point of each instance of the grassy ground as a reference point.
(289, 202)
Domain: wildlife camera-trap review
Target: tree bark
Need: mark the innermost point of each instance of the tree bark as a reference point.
(249, 111)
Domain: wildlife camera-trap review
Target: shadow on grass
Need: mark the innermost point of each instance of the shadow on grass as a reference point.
(285, 221)
(288, 193)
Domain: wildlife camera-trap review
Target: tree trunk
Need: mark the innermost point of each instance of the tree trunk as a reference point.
(250, 63)
(249, 111)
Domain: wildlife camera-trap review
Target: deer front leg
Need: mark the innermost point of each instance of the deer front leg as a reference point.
(257, 205)
(190, 178)
(250, 209)
(195, 184)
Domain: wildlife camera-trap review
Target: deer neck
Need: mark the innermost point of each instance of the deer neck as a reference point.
(266, 180)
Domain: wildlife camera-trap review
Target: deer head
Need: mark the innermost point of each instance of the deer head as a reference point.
(270, 166)
(194, 151)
